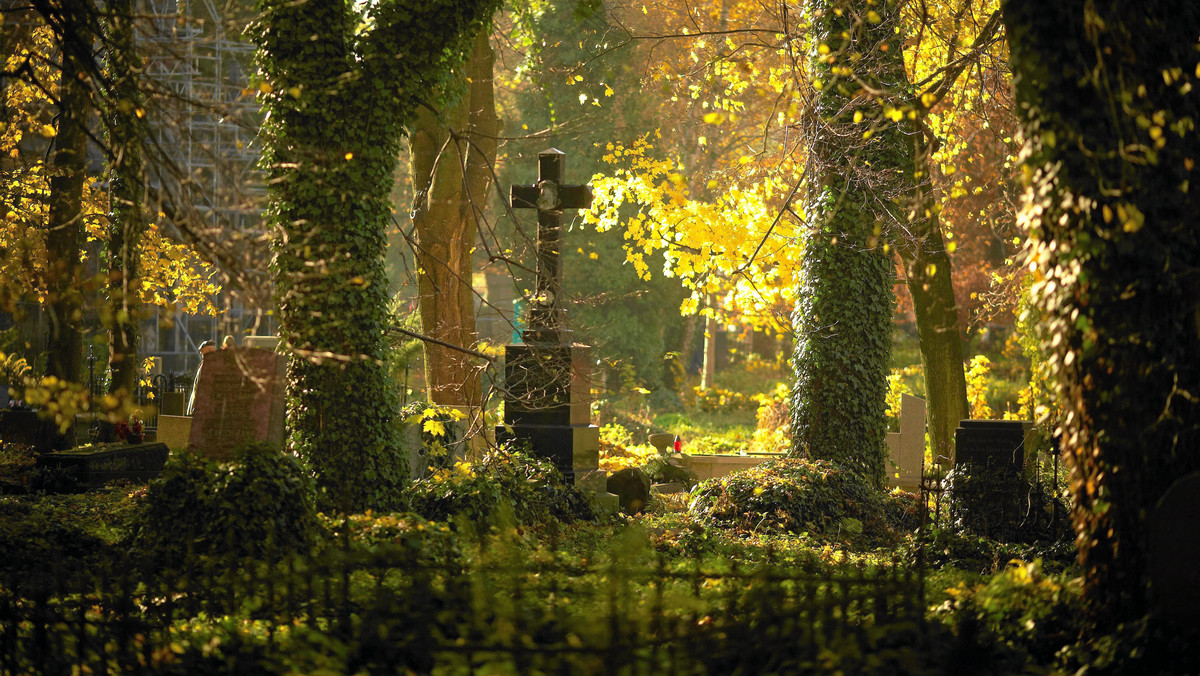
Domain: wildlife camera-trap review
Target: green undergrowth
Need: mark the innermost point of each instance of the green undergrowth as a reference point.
(803, 496)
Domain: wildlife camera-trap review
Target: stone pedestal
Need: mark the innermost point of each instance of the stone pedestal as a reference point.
(174, 431)
(547, 403)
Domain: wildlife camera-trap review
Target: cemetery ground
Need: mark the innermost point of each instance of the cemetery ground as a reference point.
(501, 567)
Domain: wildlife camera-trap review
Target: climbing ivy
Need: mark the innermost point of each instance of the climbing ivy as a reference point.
(341, 85)
(1109, 107)
(860, 178)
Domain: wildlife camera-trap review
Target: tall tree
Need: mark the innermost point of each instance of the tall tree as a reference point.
(918, 234)
(452, 158)
(72, 24)
(123, 112)
(341, 90)
(856, 190)
(1109, 110)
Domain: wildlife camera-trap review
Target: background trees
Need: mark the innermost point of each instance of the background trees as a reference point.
(1109, 111)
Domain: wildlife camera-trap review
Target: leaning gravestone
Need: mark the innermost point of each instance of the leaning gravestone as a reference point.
(239, 399)
(1175, 552)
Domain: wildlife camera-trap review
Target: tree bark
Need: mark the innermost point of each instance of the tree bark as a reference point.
(1107, 96)
(126, 219)
(448, 204)
(64, 273)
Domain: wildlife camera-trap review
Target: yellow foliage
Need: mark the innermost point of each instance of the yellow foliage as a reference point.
(172, 274)
(977, 387)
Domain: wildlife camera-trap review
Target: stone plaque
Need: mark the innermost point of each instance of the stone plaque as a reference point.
(1175, 552)
(239, 399)
(547, 385)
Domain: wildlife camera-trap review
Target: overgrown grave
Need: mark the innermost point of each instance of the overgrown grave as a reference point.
(547, 398)
(993, 488)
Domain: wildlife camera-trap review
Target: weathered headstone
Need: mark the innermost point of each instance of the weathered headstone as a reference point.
(174, 431)
(632, 488)
(239, 399)
(547, 380)
(1175, 553)
(907, 447)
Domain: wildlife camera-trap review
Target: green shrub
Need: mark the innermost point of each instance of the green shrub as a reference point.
(661, 471)
(436, 543)
(33, 540)
(794, 495)
(1023, 609)
(260, 505)
(533, 488)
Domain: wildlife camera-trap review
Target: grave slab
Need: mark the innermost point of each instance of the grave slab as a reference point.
(96, 465)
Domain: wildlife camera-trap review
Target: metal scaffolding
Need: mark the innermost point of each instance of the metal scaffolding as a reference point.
(205, 127)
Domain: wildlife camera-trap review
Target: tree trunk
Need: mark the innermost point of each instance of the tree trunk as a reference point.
(1107, 92)
(843, 312)
(339, 106)
(708, 373)
(448, 204)
(927, 270)
(64, 272)
(127, 222)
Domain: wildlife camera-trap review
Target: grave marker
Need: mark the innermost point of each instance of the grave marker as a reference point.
(239, 400)
(990, 488)
(907, 447)
(1175, 552)
(547, 380)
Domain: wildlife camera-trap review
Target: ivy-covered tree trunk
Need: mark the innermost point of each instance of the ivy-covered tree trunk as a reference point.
(64, 271)
(126, 218)
(448, 206)
(339, 100)
(843, 310)
(1108, 92)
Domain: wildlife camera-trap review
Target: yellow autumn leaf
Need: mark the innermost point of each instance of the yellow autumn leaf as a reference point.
(434, 427)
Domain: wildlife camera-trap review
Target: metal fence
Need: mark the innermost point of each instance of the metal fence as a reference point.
(392, 611)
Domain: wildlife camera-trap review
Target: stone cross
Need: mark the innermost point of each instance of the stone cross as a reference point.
(549, 196)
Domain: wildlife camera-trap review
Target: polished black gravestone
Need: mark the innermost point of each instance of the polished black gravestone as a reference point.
(999, 444)
(547, 399)
(989, 489)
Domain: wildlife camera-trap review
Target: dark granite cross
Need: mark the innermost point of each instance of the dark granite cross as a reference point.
(549, 196)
